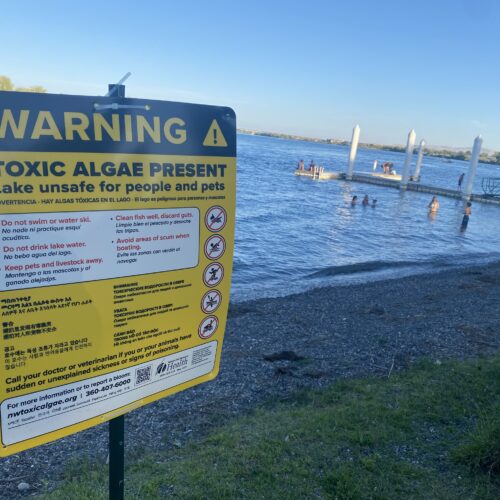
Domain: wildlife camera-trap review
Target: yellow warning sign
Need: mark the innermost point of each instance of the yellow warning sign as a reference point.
(214, 136)
(116, 258)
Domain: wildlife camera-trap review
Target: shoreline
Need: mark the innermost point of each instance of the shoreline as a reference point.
(366, 273)
(330, 333)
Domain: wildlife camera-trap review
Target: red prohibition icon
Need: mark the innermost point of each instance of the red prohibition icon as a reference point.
(215, 218)
(208, 327)
(211, 301)
(213, 274)
(215, 246)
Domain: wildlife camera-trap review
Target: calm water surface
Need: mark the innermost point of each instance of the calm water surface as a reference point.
(293, 234)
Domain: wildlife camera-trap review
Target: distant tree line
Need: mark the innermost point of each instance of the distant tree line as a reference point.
(493, 158)
(6, 84)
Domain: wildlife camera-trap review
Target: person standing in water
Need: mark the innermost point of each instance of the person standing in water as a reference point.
(460, 180)
(365, 201)
(433, 205)
(465, 220)
(354, 200)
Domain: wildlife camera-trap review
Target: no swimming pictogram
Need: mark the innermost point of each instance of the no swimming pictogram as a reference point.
(215, 246)
(211, 301)
(213, 274)
(215, 218)
(208, 327)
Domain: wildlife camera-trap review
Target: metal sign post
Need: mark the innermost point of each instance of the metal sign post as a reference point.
(117, 458)
(117, 425)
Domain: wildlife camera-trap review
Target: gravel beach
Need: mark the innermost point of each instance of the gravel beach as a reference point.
(275, 346)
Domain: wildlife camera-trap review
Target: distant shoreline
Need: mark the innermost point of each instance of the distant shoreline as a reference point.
(448, 154)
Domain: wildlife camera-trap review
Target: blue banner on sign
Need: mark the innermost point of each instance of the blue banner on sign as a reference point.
(68, 123)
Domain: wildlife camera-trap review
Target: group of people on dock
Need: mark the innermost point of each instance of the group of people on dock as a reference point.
(313, 168)
(310, 168)
(387, 167)
(365, 202)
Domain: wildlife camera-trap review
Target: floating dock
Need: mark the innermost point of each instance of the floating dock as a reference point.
(393, 181)
(320, 175)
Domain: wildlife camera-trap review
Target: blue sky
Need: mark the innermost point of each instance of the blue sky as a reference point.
(313, 68)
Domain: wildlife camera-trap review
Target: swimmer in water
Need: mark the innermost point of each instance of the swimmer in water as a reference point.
(433, 205)
(354, 200)
(374, 203)
(365, 201)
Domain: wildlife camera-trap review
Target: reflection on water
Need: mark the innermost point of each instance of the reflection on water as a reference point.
(289, 229)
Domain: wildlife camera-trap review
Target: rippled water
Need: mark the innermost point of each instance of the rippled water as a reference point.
(293, 234)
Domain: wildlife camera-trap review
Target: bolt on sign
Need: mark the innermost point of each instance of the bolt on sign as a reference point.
(117, 235)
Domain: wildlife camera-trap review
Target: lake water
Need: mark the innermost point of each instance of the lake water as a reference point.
(293, 234)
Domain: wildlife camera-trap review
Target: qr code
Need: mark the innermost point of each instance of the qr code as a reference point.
(142, 375)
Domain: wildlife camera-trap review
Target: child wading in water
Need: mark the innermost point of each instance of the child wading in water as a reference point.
(465, 219)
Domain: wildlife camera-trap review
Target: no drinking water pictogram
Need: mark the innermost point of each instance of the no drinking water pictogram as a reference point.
(215, 218)
(215, 246)
(213, 274)
(208, 327)
(211, 301)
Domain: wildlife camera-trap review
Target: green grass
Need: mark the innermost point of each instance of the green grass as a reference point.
(480, 449)
(432, 432)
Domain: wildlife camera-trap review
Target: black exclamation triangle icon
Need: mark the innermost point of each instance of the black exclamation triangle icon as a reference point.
(214, 136)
